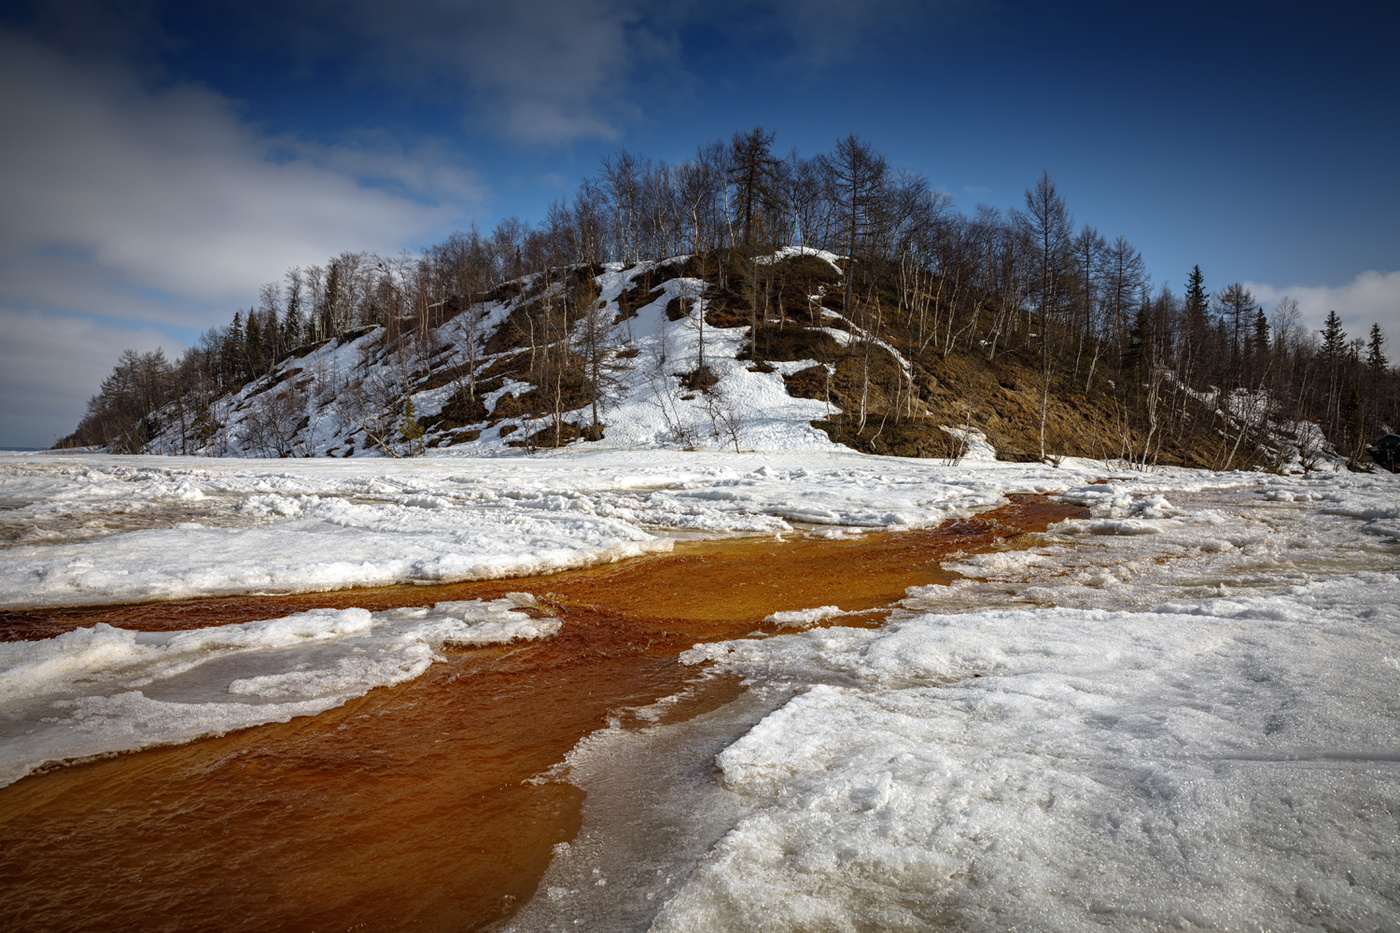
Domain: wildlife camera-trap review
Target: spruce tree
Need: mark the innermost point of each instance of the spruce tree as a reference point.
(291, 327)
(1375, 354)
(235, 354)
(1334, 339)
(1334, 347)
(411, 429)
(1197, 340)
(1135, 356)
(1197, 299)
(253, 344)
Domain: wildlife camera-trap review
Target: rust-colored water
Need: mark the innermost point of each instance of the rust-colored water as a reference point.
(412, 806)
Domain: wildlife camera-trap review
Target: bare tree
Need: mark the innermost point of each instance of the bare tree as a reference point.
(754, 173)
(855, 178)
(1236, 303)
(1049, 224)
(276, 419)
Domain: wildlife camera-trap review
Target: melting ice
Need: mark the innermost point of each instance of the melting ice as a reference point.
(101, 690)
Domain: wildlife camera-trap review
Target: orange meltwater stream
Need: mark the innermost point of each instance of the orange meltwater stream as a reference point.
(412, 806)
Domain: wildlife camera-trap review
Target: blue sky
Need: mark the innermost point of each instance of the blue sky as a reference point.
(162, 160)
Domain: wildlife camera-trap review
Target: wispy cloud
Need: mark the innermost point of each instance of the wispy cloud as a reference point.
(105, 183)
(539, 71)
(825, 32)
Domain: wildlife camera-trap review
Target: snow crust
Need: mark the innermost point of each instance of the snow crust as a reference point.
(1228, 767)
(102, 690)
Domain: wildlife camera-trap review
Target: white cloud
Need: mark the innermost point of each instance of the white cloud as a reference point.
(106, 182)
(51, 364)
(1371, 297)
(119, 203)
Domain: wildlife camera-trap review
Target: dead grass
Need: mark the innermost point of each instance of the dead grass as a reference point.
(807, 383)
(790, 344)
(462, 409)
(636, 298)
(727, 309)
(548, 436)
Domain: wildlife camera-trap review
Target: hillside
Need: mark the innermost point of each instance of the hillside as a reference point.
(716, 351)
(676, 353)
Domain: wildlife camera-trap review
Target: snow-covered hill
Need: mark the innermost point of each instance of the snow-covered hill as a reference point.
(702, 353)
(666, 377)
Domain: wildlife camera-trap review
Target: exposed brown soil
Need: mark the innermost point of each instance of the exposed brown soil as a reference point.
(413, 806)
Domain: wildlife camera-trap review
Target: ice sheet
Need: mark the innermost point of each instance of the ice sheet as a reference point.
(95, 529)
(1179, 712)
(101, 690)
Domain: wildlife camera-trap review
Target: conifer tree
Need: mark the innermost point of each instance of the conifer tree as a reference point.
(1379, 391)
(253, 344)
(236, 350)
(1375, 353)
(411, 428)
(292, 327)
(1138, 338)
(1334, 339)
(1197, 299)
(1334, 346)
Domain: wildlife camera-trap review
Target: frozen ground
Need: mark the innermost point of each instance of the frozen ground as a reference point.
(1180, 713)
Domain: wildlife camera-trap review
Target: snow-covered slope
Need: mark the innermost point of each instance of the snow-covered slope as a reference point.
(348, 397)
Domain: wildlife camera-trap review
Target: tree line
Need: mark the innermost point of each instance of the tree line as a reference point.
(929, 280)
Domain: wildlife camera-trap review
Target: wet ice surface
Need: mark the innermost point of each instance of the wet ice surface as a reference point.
(102, 690)
(653, 810)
